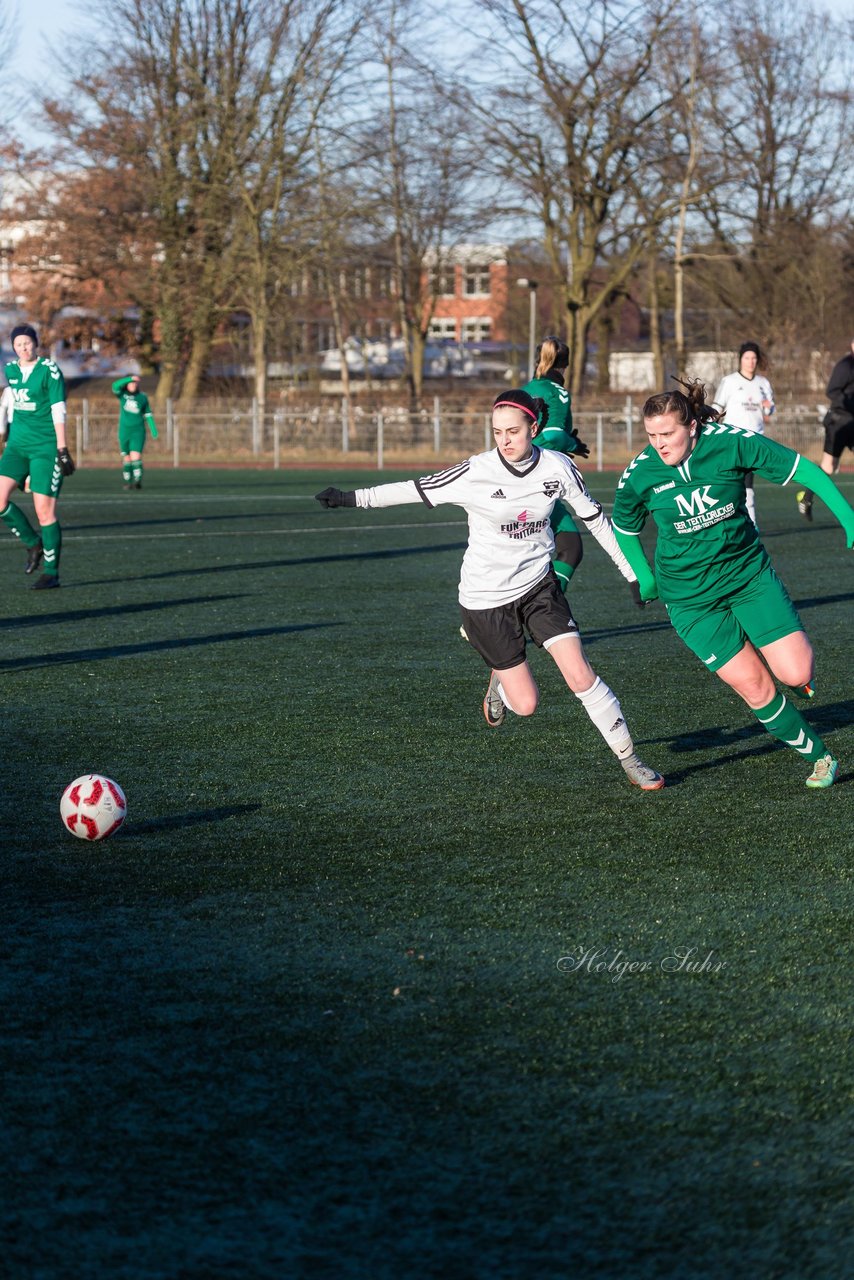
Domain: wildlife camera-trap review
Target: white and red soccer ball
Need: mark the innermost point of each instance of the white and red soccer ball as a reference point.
(93, 807)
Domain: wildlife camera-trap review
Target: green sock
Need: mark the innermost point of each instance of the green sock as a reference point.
(137, 471)
(785, 722)
(19, 524)
(126, 471)
(564, 572)
(52, 542)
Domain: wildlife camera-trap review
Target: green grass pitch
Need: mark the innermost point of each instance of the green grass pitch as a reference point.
(317, 1009)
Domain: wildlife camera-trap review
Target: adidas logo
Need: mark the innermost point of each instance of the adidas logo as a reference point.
(499, 493)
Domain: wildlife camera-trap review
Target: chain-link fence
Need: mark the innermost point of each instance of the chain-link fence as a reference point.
(239, 435)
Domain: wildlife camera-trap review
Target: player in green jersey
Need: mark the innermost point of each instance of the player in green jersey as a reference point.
(134, 415)
(36, 448)
(558, 433)
(712, 572)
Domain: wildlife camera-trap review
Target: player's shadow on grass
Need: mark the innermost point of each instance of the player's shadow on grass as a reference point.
(813, 602)
(111, 611)
(824, 719)
(248, 566)
(68, 528)
(154, 646)
(590, 637)
(177, 821)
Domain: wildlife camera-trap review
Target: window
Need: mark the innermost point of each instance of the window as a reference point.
(475, 279)
(440, 281)
(324, 336)
(476, 329)
(384, 279)
(360, 283)
(444, 328)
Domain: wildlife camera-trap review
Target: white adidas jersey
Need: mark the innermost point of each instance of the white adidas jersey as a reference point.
(510, 539)
(741, 399)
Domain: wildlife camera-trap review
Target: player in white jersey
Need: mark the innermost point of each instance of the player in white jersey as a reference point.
(507, 584)
(746, 400)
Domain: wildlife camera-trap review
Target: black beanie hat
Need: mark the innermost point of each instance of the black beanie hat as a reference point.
(749, 346)
(25, 331)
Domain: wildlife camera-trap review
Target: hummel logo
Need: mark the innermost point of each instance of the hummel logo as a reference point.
(499, 493)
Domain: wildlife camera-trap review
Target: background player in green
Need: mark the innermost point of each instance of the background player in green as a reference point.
(36, 448)
(134, 414)
(557, 433)
(711, 570)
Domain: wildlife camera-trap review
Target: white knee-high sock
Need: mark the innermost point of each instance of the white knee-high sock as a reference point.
(600, 703)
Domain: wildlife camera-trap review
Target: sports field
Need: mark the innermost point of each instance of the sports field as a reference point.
(366, 989)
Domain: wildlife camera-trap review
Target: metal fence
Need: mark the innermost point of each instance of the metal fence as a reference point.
(242, 436)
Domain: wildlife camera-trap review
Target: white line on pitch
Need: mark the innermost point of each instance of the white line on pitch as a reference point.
(118, 536)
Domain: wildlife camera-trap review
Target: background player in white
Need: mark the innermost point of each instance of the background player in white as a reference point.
(746, 400)
(507, 584)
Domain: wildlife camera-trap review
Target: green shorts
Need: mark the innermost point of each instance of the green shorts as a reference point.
(132, 440)
(42, 468)
(760, 612)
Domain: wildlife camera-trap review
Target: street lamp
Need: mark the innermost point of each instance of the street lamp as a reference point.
(525, 283)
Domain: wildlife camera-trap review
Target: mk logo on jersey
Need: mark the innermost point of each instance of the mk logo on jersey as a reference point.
(499, 493)
(551, 487)
(701, 500)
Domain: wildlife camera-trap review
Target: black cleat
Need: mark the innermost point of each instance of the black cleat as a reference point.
(35, 555)
(45, 582)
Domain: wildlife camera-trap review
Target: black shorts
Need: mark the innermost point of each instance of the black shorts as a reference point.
(498, 635)
(838, 434)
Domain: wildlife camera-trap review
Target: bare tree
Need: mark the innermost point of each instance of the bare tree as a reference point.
(418, 155)
(202, 102)
(579, 126)
(783, 113)
(280, 183)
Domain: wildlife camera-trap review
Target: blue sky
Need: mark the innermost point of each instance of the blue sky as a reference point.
(56, 20)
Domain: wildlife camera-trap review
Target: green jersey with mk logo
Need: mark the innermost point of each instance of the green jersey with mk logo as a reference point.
(32, 427)
(707, 545)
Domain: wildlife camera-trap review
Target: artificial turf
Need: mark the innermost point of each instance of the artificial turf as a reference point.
(349, 994)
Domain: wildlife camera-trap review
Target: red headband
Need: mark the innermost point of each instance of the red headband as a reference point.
(511, 404)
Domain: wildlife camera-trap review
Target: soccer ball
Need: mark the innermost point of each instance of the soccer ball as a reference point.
(93, 807)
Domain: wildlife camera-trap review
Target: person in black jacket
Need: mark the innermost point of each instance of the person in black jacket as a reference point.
(838, 424)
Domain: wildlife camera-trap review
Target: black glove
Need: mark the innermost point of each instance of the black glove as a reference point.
(336, 497)
(634, 587)
(66, 462)
(582, 449)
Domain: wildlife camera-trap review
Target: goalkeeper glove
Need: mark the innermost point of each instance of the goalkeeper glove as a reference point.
(581, 449)
(634, 587)
(66, 462)
(336, 497)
